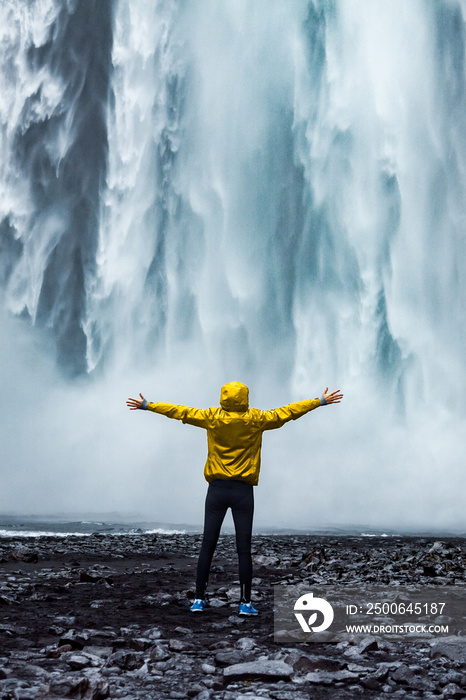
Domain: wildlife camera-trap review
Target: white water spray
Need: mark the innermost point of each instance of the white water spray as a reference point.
(274, 193)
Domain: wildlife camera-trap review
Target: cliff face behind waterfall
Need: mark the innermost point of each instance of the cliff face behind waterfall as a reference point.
(264, 191)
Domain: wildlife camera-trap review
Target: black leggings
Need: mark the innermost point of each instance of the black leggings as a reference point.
(221, 495)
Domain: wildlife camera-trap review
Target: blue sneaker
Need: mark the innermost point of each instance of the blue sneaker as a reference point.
(197, 606)
(247, 609)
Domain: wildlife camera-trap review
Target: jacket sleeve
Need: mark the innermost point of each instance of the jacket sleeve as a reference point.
(186, 414)
(279, 416)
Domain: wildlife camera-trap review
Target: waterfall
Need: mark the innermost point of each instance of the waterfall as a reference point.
(195, 192)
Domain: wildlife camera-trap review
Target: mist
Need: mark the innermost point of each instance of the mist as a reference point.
(195, 193)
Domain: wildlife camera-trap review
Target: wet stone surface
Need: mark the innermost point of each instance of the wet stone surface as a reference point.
(108, 617)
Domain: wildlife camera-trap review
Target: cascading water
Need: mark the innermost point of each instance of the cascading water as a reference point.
(264, 191)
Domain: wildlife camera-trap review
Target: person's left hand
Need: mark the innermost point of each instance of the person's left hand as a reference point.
(134, 404)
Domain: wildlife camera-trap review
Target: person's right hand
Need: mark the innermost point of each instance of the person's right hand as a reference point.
(133, 404)
(334, 397)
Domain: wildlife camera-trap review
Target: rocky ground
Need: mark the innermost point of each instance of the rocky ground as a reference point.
(108, 617)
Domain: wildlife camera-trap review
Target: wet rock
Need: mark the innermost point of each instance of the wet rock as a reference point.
(228, 657)
(371, 683)
(218, 603)
(218, 626)
(453, 648)
(411, 677)
(93, 577)
(220, 644)
(68, 686)
(300, 663)
(84, 577)
(305, 664)
(152, 633)
(233, 594)
(208, 668)
(264, 560)
(77, 663)
(453, 691)
(287, 695)
(374, 680)
(54, 652)
(76, 639)
(429, 569)
(13, 630)
(353, 652)
(103, 634)
(159, 653)
(98, 651)
(330, 677)
(66, 620)
(98, 604)
(349, 666)
(236, 620)
(245, 644)
(127, 660)
(453, 677)
(262, 670)
(368, 644)
(178, 645)
(142, 643)
(438, 548)
(7, 599)
(24, 554)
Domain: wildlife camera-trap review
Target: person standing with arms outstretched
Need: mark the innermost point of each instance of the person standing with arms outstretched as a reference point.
(234, 439)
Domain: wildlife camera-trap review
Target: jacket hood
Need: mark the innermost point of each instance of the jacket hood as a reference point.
(234, 396)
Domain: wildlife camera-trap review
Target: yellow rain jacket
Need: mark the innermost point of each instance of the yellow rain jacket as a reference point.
(234, 431)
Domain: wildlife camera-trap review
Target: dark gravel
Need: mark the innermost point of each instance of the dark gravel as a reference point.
(108, 616)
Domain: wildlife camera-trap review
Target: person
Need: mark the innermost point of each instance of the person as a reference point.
(234, 439)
